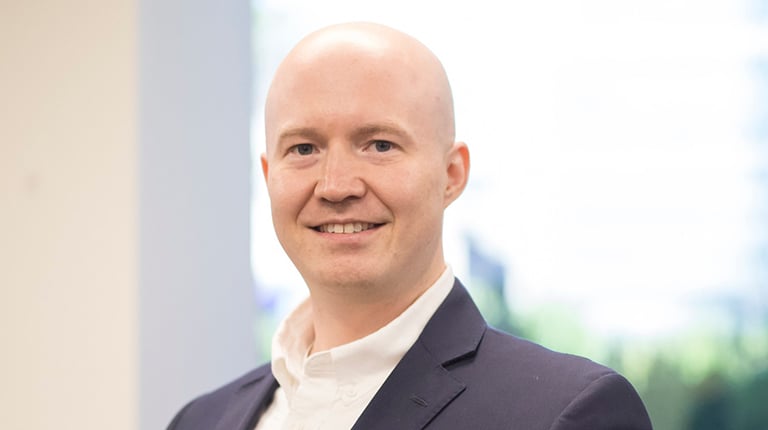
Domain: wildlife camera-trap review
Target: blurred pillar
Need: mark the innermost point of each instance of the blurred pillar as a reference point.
(194, 158)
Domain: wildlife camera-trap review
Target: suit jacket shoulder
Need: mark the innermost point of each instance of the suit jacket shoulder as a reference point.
(527, 385)
(462, 374)
(236, 405)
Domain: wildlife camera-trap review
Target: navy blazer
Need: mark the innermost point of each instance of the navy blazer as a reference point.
(460, 374)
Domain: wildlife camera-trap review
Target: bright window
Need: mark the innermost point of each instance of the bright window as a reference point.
(618, 199)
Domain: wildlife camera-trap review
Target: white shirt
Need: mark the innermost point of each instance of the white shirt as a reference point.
(328, 390)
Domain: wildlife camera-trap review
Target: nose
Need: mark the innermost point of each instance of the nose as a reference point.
(339, 177)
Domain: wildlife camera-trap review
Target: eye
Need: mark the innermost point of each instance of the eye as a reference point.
(382, 145)
(303, 149)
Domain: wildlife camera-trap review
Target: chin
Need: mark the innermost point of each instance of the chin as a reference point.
(347, 279)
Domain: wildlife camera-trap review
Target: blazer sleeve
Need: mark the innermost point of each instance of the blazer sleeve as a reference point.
(608, 403)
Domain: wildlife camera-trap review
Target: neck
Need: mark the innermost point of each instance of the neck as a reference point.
(340, 317)
(340, 324)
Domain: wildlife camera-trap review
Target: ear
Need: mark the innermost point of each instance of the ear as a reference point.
(264, 166)
(458, 172)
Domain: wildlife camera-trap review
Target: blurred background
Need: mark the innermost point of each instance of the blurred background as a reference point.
(617, 206)
(618, 201)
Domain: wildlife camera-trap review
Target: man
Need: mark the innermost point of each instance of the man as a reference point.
(360, 165)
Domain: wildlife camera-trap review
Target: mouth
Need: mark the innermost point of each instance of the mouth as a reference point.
(345, 228)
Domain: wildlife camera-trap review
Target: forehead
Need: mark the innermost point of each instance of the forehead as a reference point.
(347, 71)
(347, 85)
(361, 74)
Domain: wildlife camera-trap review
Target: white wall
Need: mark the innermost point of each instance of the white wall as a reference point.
(124, 166)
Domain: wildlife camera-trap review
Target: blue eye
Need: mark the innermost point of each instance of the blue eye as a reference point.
(382, 145)
(304, 149)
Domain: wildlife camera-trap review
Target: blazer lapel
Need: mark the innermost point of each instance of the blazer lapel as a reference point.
(249, 402)
(421, 386)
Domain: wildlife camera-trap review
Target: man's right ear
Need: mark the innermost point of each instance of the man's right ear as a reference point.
(264, 166)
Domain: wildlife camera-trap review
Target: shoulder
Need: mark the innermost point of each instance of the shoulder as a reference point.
(546, 389)
(505, 351)
(205, 411)
(506, 379)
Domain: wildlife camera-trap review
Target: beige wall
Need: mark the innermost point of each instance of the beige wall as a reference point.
(68, 218)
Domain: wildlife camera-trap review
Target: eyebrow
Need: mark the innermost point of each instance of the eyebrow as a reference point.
(305, 132)
(368, 130)
(362, 132)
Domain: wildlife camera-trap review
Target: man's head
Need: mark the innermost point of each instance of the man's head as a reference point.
(361, 160)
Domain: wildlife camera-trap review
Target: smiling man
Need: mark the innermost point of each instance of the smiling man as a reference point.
(361, 163)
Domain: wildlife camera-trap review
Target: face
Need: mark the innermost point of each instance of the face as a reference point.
(359, 172)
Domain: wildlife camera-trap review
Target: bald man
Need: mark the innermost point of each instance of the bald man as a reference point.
(360, 164)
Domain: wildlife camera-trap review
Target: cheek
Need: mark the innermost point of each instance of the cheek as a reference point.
(286, 195)
(417, 193)
(286, 201)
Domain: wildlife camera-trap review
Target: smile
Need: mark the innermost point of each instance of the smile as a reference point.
(348, 228)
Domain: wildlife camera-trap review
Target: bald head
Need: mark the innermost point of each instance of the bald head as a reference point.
(336, 63)
(361, 163)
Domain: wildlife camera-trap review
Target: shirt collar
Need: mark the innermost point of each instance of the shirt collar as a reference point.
(359, 360)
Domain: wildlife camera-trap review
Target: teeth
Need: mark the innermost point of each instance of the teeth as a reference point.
(352, 227)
